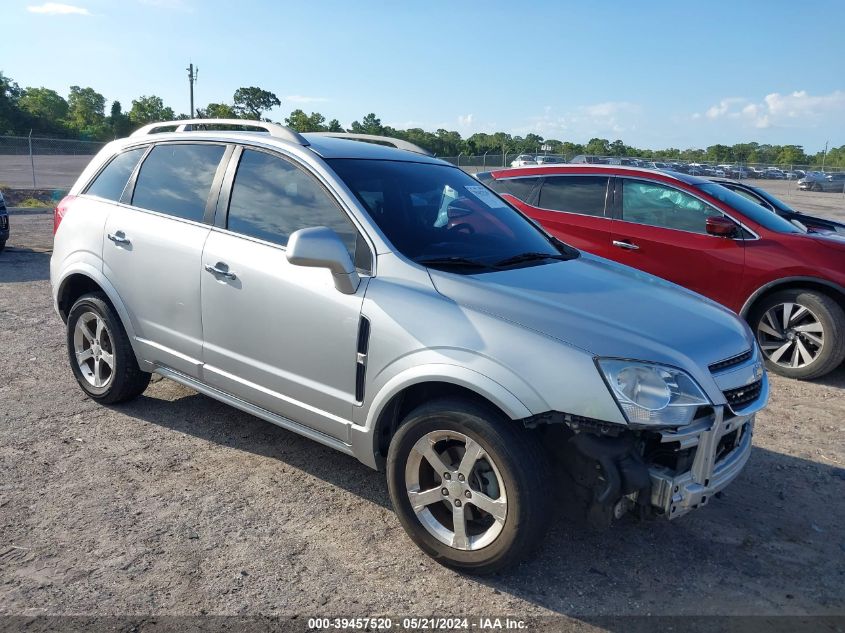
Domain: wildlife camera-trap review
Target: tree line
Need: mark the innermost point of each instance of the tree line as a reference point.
(82, 115)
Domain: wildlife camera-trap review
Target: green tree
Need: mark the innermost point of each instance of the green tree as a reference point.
(334, 126)
(149, 110)
(598, 146)
(302, 122)
(370, 124)
(44, 103)
(11, 116)
(119, 121)
(792, 155)
(252, 102)
(218, 111)
(86, 109)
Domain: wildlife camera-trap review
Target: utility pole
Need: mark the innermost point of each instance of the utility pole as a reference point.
(825, 154)
(192, 79)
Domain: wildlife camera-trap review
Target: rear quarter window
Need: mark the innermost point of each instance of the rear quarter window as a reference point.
(520, 188)
(111, 181)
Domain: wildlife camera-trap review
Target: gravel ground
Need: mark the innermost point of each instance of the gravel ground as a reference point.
(177, 504)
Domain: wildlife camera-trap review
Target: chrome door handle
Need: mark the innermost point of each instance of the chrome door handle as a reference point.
(214, 270)
(118, 238)
(626, 245)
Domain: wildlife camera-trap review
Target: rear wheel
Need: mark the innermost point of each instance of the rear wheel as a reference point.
(101, 356)
(801, 333)
(2, 246)
(469, 486)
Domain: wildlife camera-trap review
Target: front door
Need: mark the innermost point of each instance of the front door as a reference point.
(276, 335)
(662, 230)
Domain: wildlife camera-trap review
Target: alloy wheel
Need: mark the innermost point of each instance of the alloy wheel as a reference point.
(456, 490)
(790, 335)
(93, 348)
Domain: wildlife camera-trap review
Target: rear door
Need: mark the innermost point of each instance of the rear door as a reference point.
(276, 335)
(660, 229)
(153, 246)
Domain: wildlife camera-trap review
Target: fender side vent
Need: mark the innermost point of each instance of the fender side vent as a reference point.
(361, 357)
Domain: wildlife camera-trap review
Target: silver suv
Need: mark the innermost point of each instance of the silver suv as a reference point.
(388, 305)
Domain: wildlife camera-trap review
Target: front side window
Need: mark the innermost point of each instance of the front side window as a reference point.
(272, 198)
(438, 215)
(666, 207)
(574, 194)
(176, 179)
(111, 182)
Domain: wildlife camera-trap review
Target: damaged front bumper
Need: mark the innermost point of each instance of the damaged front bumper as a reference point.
(719, 447)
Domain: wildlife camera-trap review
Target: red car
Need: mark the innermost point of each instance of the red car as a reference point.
(788, 284)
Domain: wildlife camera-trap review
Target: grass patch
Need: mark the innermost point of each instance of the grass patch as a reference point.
(32, 203)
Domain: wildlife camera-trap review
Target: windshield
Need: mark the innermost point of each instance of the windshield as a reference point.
(438, 214)
(752, 210)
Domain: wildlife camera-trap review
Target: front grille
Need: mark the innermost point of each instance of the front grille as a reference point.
(741, 396)
(730, 362)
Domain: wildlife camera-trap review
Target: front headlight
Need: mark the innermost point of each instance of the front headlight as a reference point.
(653, 395)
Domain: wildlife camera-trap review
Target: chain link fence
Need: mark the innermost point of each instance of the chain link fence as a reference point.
(30, 162)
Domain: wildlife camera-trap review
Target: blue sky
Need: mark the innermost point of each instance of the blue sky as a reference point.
(655, 74)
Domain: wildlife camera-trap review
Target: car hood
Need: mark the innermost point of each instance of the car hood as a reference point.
(606, 309)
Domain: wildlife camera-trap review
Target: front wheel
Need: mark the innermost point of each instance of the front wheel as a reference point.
(468, 485)
(801, 333)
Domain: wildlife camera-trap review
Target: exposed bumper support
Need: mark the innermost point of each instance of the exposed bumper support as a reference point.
(676, 494)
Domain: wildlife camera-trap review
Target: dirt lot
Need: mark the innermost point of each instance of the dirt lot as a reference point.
(176, 504)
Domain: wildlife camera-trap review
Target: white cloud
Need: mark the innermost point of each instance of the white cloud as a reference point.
(304, 99)
(465, 120)
(597, 119)
(780, 110)
(57, 8)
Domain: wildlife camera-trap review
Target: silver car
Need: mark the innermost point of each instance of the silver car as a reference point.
(388, 305)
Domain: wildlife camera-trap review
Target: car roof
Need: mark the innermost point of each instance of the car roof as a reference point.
(568, 168)
(328, 147)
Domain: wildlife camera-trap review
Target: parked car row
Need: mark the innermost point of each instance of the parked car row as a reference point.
(812, 180)
(787, 282)
(389, 305)
(820, 181)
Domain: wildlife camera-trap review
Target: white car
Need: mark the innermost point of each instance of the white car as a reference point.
(523, 160)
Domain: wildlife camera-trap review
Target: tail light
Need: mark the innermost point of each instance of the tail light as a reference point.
(60, 210)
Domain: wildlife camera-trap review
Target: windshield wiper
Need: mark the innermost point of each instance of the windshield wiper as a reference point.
(531, 257)
(453, 261)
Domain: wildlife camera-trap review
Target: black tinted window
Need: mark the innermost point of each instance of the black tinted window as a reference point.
(176, 179)
(272, 198)
(112, 180)
(654, 204)
(574, 194)
(519, 188)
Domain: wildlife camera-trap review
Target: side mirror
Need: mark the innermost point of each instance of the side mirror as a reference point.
(321, 247)
(721, 226)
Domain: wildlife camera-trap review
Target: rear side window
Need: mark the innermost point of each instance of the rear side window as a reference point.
(272, 198)
(574, 194)
(176, 179)
(520, 188)
(112, 180)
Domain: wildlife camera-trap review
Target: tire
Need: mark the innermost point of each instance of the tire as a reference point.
(2, 246)
(816, 323)
(510, 475)
(94, 331)
(816, 187)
